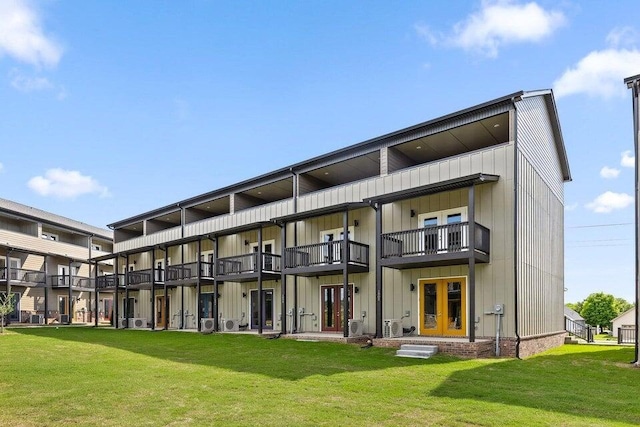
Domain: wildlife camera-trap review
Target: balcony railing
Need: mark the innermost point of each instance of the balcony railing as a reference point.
(23, 275)
(109, 281)
(626, 335)
(434, 240)
(325, 253)
(144, 276)
(182, 271)
(248, 263)
(64, 281)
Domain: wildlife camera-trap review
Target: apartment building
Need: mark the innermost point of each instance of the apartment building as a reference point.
(44, 263)
(449, 231)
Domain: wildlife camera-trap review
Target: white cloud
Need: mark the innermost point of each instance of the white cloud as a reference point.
(66, 184)
(610, 201)
(628, 160)
(622, 37)
(22, 36)
(600, 73)
(28, 84)
(496, 24)
(608, 173)
(571, 207)
(1, 168)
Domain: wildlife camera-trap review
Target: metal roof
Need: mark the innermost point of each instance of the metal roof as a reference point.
(27, 212)
(437, 187)
(361, 148)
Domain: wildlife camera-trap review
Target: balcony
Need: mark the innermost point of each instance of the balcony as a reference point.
(109, 281)
(76, 282)
(434, 246)
(244, 268)
(327, 258)
(23, 276)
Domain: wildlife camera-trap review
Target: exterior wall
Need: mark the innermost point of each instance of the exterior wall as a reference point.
(38, 244)
(627, 318)
(540, 210)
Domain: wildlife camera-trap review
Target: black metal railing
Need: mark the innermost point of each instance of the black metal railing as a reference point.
(109, 281)
(182, 271)
(248, 263)
(140, 277)
(626, 335)
(23, 275)
(206, 269)
(579, 330)
(326, 253)
(64, 281)
(434, 240)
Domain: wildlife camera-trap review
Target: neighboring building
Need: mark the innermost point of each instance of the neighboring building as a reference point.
(453, 226)
(573, 316)
(626, 320)
(44, 262)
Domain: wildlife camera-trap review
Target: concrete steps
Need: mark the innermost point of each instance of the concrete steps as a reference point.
(417, 351)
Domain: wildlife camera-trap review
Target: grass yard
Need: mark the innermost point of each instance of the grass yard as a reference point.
(84, 376)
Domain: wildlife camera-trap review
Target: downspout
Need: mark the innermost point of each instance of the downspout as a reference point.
(296, 192)
(515, 224)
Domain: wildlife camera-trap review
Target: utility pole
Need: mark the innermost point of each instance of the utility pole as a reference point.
(633, 83)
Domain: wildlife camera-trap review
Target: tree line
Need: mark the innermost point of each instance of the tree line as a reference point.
(599, 309)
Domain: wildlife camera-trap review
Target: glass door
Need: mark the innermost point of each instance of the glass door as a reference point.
(443, 306)
(267, 307)
(332, 307)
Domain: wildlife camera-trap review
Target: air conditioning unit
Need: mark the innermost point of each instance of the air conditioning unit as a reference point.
(37, 319)
(207, 325)
(230, 325)
(137, 323)
(64, 318)
(122, 324)
(392, 328)
(356, 327)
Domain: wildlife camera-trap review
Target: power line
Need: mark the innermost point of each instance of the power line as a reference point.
(602, 225)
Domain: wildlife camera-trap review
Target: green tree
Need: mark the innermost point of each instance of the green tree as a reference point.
(621, 305)
(6, 307)
(599, 309)
(575, 306)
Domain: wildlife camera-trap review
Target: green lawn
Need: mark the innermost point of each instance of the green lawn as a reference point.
(83, 376)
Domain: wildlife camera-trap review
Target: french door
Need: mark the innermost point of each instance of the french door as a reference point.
(443, 230)
(332, 297)
(161, 310)
(267, 309)
(443, 308)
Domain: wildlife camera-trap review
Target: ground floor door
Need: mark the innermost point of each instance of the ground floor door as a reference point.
(14, 316)
(161, 310)
(267, 309)
(64, 310)
(443, 308)
(206, 306)
(107, 309)
(332, 297)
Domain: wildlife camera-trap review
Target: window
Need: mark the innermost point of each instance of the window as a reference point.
(444, 231)
(50, 236)
(96, 247)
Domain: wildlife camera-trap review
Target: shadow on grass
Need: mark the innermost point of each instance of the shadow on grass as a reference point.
(279, 358)
(584, 381)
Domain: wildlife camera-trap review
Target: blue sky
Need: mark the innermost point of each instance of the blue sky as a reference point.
(110, 109)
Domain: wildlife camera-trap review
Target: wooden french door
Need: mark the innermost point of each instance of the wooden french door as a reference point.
(161, 311)
(443, 308)
(332, 297)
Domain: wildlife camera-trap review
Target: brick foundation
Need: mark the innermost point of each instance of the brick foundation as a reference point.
(539, 343)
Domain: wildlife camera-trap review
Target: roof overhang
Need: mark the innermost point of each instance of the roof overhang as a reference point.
(436, 187)
(342, 207)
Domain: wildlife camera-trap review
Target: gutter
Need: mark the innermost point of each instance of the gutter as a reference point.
(515, 221)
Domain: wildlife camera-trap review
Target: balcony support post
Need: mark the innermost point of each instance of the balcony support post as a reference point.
(378, 209)
(69, 304)
(152, 257)
(215, 286)
(46, 290)
(97, 295)
(181, 288)
(259, 266)
(198, 286)
(163, 277)
(283, 280)
(114, 316)
(7, 263)
(126, 295)
(345, 273)
(472, 264)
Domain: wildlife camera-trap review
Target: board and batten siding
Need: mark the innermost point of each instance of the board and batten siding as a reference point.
(540, 210)
(38, 244)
